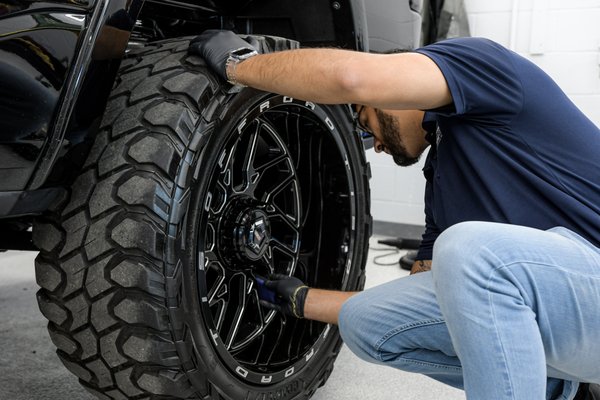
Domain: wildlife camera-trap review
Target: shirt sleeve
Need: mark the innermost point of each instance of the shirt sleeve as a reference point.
(481, 77)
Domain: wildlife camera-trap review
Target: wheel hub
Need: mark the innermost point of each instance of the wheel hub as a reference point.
(247, 232)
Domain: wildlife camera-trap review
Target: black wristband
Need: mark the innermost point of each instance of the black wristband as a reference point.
(297, 301)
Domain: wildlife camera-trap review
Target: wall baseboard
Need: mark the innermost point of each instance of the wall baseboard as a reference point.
(397, 230)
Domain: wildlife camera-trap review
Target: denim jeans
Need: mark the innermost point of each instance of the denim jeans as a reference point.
(507, 312)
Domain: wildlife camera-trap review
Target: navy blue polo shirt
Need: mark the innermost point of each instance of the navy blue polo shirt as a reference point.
(512, 148)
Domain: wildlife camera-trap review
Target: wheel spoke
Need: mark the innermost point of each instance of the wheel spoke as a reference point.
(260, 321)
(286, 250)
(285, 259)
(278, 188)
(289, 249)
(210, 239)
(291, 221)
(248, 167)
(216, 288)
(279, 340)
(235, 308)
(273, 153)
(270, 163)
(268, 260)
(216, 200)
(238, 163)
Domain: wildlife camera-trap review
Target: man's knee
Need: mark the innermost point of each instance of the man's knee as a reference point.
(459, 239)
(466, 252)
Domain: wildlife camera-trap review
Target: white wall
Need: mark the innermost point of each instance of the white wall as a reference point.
(561, 36)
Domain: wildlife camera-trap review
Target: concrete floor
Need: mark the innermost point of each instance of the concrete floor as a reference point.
(29, 369)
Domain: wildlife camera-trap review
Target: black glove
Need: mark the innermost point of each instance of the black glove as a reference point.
(290, 295)
(215, 46)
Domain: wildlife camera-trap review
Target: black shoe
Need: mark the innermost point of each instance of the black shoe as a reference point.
(407, 260)
(593, 391)
(588, 391)
(582, 392)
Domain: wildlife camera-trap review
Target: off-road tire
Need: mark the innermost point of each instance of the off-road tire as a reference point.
(116, 263)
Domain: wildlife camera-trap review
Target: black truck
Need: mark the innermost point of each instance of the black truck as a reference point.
(156, 193)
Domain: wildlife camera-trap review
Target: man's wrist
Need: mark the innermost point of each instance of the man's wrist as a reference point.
(234, 59)
(230, 70)
(298, 300)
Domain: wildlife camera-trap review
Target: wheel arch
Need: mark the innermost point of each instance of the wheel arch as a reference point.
(98, 52)
(113, 25)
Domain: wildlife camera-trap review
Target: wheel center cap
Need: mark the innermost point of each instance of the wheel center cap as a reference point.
(258, 235)
(253, 234)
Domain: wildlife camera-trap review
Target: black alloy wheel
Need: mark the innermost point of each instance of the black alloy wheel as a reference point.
(190, 193)
(267, 211)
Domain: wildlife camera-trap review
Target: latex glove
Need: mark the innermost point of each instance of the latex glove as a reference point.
(289, 295)
(215, 46)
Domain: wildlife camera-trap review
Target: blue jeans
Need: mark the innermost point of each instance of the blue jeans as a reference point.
(507, 312)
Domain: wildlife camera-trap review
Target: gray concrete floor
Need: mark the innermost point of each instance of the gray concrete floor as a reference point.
(30, 370)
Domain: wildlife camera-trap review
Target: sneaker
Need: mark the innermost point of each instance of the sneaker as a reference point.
(407, 260)
(588, 391)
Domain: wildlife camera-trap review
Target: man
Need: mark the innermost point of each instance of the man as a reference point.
(509, 309)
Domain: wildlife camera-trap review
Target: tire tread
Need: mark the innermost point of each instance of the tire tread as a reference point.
(109, 287)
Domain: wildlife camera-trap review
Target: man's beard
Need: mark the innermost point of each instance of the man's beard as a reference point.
(390, 132)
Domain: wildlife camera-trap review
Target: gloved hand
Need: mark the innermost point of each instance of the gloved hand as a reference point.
(290, 295)
(215, 46)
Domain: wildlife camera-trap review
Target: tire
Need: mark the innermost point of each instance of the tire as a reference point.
(189, 192)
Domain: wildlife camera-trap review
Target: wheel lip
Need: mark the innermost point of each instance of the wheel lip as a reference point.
(240, 371)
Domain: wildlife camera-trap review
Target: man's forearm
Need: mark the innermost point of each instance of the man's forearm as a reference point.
(324, 305)
(319, 75)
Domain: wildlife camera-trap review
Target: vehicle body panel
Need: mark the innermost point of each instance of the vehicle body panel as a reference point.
(59, 59)
(36, 51)
(50, 52)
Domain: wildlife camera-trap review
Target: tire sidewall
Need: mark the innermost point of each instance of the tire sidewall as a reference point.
(186, 248)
